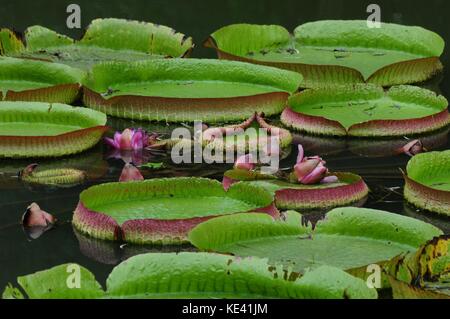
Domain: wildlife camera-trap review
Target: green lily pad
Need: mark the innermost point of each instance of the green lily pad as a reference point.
(178, 90)
(196, 275)
(34, 129)
(28, 80)
(104, 40)
(366, 110)
(330, 52)
(424, 273)
(428, 182)
(162, 210)
(348, 238)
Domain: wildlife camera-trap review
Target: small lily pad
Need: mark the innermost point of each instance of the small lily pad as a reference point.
(427, 182)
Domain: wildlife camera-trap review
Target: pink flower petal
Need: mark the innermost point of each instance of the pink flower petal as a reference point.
(111, 143)
(329, 179)
(304, 168)
(245, 162)
(137, 141)
(315, 176)
(35, 216)
(130, 173)
(125, 140)
(227, 182)
(301, 153)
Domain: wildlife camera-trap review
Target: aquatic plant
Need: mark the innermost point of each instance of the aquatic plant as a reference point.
(104, 40)
(38, 81)
(336, 51)
(36, 221)
(34, 129)
(348, 238)
(310, 185)
(61, 177)
(194, 275)
(183, 90)
(366, 111)
(162, 211)
(424, 273)
(427, 182)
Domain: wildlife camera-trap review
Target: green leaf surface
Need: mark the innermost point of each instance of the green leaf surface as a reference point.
(431, 169)
(104, 40)
(172, 198)
(45, 119)
(195, 275)
(59, 283)
(201, 275)
(20, 75)
(348, 238)
(350, 105)
(350, 44)
(189, 78)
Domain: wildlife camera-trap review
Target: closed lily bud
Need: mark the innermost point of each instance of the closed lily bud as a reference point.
(35, 216)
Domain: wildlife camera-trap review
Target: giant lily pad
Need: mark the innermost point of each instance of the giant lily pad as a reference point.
(347, 190)
(428, 182)
(104, 40)
(366, 110)
(27, 80)
(424, 273)
(34, 129)
(162, 210)
(188, 89)
(348, 238)
(194, 275)
(329, 52)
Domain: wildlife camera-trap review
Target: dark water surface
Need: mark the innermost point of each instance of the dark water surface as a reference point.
(372, 160)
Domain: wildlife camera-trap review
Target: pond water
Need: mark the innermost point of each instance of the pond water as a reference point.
(381, 171)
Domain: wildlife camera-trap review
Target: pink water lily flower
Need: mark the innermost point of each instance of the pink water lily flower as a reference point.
(311, 170)
(129, 139)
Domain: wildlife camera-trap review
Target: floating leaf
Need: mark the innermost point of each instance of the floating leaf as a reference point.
(197, 275)
(329, 52)
(33, 129)
(104, 40)
(366, 110)
(427, 182)
(348, 238)
(183, 90)
(162, 210)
